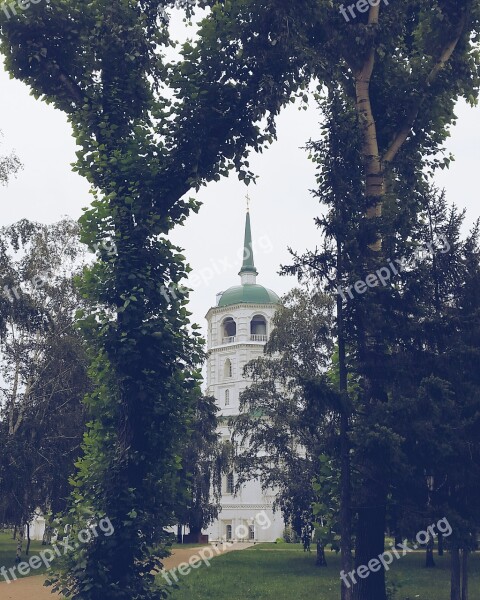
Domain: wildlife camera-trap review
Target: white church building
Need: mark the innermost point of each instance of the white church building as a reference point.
(238, 328)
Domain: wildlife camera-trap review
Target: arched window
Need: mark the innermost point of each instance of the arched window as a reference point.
(258, 329)
(229, 330)
(227, 368)
(228, 532)
(227, 397)
(251, 532)
(230, 483)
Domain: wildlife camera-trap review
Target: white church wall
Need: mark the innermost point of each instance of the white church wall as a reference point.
(250, 501)
(36, 527)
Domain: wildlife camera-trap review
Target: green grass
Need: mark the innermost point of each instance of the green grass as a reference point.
(285, 572)
(8, 550)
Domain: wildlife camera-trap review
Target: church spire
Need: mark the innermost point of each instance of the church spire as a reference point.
(248, 272)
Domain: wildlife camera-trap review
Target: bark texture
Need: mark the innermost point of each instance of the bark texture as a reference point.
(455, 574)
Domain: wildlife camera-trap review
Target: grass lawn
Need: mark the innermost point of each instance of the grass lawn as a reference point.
(8, 551)
(285, 572)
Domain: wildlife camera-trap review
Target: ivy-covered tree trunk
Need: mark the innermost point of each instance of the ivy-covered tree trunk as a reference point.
(142, 150)
(371, 525)
(372, 513)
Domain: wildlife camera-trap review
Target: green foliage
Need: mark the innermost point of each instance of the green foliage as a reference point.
(325, 509)
(284, 411)
(147, 132)
(205, 458)
(403, 339)
(290, 536)
(42, 367)
(10, 165)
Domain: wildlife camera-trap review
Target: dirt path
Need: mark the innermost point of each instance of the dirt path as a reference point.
(32, 587)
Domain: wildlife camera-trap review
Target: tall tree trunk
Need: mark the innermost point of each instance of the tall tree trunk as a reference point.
(395, 518)
(27, 550)
(370, 541)
(374, 173)
(179, 533)
(345, 477)
(372, 515)
(455, 573)
(195, 534)
(321, 560)
(465, 555)
(20, 538)
(370, 544)
(440, 545)
(429, 561)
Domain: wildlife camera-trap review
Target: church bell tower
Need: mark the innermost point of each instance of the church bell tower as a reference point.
(238, 328)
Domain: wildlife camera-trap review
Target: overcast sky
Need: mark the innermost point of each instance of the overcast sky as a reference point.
(282, 208)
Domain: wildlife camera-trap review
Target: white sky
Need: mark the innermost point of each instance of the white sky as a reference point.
(282, 209)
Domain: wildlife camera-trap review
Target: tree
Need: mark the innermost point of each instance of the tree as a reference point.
(284, 422)
(147, 133)
(400, 316)
(401, 69)
(386, 128)
(42, 367)
(205, 458)
(10, 165)
(142, 151)
(453, 328)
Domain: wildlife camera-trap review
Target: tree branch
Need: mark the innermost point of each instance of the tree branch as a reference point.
(445, 55)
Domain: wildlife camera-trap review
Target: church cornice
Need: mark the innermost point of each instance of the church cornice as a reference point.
(226, 309)
(236, 346)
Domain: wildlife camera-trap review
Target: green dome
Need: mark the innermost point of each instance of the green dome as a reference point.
(248, 293)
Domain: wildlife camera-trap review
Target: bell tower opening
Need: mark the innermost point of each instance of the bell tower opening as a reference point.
(229, 328)
(258, 329)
